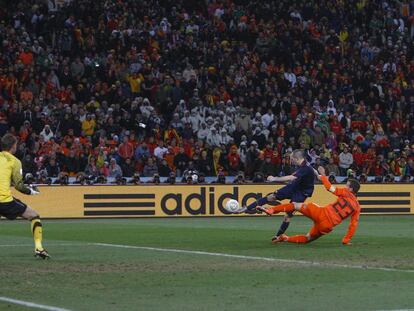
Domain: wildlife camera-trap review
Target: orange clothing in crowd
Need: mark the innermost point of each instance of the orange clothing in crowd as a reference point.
(26, 96)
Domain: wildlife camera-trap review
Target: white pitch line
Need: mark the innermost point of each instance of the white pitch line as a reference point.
(269, 259)
(31, 304)
(193, 252)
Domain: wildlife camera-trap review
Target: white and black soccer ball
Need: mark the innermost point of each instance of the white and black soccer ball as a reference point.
(232, 206)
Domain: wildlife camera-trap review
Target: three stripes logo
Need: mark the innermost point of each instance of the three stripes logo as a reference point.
(121, 204)
(384, 202)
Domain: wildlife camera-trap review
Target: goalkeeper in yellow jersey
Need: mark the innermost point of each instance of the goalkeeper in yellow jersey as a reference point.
(11, 208)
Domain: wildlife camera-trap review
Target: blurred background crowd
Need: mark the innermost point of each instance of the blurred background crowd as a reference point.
(185, 90)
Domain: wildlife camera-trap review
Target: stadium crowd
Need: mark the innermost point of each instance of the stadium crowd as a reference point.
(124, 88)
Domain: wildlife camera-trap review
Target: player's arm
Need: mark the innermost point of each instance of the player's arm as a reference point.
(320, 174)
(297, 175)
(327, 184)
(281, 179)
(17, 180)
(353, 225)
(331, 188)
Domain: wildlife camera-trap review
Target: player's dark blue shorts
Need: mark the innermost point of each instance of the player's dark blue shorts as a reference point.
(12, 210)
(292, 193)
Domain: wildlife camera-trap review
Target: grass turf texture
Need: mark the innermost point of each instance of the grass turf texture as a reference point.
(91, 277)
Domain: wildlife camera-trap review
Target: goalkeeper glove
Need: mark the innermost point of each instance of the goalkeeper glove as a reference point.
(33, 190)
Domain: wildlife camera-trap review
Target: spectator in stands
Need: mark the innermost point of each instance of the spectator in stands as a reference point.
(115, 170)
(252, 159)
(71, 86)
(128, 168)
(331, 168)
(318, 137)
(345, 161)
(91, 169)
(160, 151)
(104, 170)
(180, 162)
(150, 168)
(268, 168)
(234, 161)
(126, 149)
(164, 169)
(142, 152)
(46, 133)
(52, 168)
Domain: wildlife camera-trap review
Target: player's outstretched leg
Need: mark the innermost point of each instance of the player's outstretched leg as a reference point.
(270, 199)
(287, 208)
(251, 207)
(300, 239)
(37, 231)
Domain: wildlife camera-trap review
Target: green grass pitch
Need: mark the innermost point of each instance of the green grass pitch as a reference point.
(86, 276)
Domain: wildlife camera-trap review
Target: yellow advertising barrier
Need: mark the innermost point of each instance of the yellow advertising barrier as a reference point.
(197, 200)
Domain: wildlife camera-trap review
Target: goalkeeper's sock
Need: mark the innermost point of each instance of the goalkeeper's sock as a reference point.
(288, 207)
(260, 202)
(36, 227)
(301, 239)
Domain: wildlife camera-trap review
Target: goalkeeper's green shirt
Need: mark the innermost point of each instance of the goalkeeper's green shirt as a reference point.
(10, 174)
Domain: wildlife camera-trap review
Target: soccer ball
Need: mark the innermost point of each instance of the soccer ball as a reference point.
(232, 206)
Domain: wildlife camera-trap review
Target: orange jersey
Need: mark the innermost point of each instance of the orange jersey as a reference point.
(345, 206)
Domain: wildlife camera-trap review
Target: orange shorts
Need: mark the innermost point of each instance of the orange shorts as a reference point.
(321, 223)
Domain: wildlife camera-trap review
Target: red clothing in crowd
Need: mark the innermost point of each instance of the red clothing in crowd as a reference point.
(126, 150)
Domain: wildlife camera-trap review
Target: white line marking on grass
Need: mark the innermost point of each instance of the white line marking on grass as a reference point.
(268, 259)
(193, 252)
(31, 304)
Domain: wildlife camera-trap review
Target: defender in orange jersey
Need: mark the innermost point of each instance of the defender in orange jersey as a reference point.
(327, 217)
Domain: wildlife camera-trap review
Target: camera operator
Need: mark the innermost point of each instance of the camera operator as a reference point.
(191, 179)
(155, 179)
(42, 177)
(171, 179)
(101, 179)
(119, 180)
(63, 179)
(221, 178)
(135, 180)
(190, 171)
(201, 178)
(363, 178)
(239, 179)
(80, 178)
(29, 179)
(258, 178)
(389, 178)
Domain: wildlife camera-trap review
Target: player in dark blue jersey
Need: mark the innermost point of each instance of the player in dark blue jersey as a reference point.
(300, 186)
